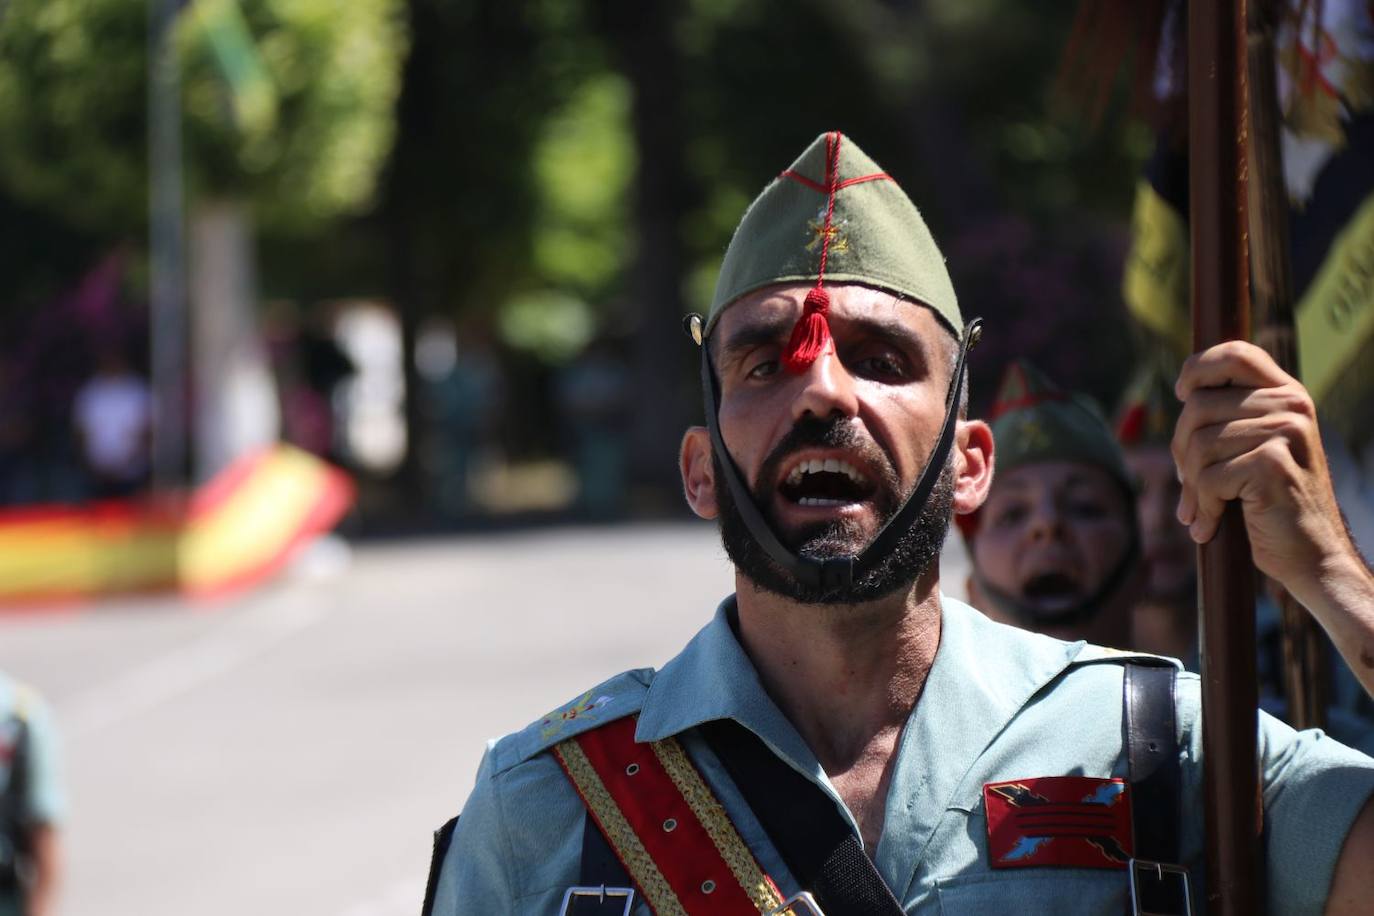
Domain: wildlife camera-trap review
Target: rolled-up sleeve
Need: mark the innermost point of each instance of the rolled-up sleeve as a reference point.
(1314, 787)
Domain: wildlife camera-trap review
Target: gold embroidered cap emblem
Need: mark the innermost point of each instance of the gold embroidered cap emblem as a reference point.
(816, 228)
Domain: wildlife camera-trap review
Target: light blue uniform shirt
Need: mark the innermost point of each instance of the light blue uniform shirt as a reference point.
(999, 704)
(42, 802)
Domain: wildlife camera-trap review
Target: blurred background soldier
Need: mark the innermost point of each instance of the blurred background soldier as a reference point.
(1055, 548)
(1165, 619)
(31, 804)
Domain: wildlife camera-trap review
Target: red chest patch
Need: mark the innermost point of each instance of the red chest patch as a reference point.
(1067, 821)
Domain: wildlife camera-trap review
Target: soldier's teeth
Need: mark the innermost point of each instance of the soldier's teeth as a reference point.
(819, 501)
(795, 477)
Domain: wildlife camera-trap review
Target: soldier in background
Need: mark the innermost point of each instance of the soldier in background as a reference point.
(31, 804)
(1165, 618)
(1055, 548)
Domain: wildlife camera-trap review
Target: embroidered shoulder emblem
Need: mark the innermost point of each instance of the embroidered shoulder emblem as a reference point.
(584, 707)
(1067, 821)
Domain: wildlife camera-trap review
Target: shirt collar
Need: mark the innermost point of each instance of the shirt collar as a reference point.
(712, 678)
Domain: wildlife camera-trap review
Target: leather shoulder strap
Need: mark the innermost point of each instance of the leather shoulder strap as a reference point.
(1151, 739)
(1152, 750)
(664, 824)
(817, 843)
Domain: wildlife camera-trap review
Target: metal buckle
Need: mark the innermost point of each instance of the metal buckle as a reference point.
(1159, 870)
(802, 899)
(600, 893)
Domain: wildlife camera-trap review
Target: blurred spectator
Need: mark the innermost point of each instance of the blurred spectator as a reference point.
(593, 394)
(463, 396)
(309, 365)
(113, 419)
(1165, 620)
(31, 804)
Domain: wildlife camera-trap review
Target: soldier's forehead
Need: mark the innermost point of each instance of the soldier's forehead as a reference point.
(850, 302)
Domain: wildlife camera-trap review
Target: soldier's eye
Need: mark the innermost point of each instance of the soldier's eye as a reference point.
(884, 365)
(764, 369)
(1088, 509)
(1008, 516)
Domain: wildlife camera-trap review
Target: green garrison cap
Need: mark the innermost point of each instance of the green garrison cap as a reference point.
(1034, 421)
(1149, 409)
(876, 235)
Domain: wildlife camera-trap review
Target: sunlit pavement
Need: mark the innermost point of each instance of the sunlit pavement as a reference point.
(290, 752)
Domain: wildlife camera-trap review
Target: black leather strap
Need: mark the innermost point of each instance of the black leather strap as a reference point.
(599, 867)
(442, 838)
(817, 844)
(1151, 742)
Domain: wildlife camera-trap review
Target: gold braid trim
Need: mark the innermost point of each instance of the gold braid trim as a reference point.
(712, 815)
(618, 830)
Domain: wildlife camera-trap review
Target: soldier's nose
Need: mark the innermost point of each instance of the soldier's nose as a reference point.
(827, 388)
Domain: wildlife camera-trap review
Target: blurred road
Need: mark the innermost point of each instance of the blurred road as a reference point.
(290, 752)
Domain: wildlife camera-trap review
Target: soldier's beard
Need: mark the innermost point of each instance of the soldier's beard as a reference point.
(916, 550)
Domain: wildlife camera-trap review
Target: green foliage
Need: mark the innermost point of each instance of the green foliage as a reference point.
(550, 325)
(294, 112)
(583, 165)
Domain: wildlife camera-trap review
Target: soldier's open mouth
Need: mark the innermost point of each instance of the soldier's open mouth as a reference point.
(1051, 589)
(826, 482)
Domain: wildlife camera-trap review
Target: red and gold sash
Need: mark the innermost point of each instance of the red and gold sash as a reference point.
(665, 824)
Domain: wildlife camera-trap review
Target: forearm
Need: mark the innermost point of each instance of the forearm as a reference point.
(46, 859)
(1341, 597)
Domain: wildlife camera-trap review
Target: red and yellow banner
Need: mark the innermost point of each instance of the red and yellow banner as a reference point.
(231, 533)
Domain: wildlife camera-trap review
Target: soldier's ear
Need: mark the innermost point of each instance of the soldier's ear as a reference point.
(973, 465)
(698, 473)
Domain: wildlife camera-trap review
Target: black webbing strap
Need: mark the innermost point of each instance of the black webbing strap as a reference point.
(600, 867)
(442, 838)
(1151, 742)
(821, 851)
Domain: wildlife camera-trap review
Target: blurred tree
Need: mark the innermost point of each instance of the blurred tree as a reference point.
(565, 169)
(643, 36)
(461, 198)
(287, 105)
(286, 115)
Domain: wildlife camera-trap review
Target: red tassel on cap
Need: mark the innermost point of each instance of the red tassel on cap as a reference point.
(811, 334)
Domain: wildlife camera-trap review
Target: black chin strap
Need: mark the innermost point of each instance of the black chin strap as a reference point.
(835, 574)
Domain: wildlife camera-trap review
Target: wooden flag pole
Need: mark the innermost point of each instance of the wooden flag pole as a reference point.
(1217, 141)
